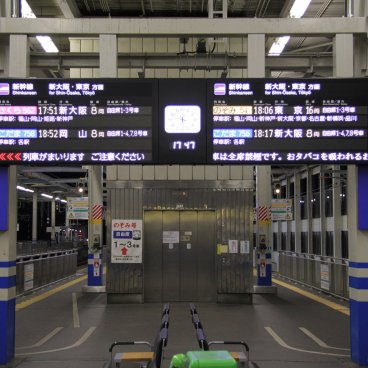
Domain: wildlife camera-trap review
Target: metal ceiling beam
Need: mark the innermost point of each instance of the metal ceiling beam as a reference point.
(173, 61)
(69, 8)
(52, 169)
(175, 27)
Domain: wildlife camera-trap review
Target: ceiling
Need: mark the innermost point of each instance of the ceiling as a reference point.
(63, 180)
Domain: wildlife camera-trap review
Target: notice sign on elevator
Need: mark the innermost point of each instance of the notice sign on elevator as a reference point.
(126, 241)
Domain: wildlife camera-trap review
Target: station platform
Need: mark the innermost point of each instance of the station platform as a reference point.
(61, 327)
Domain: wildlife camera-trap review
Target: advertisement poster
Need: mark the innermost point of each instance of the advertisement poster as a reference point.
(126, 241)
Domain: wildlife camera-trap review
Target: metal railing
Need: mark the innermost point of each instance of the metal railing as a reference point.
(328, 274)
(44, 246)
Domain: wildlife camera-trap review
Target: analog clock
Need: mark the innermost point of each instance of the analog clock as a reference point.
(182, 119)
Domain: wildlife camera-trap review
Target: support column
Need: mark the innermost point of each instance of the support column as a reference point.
(264, 228)
(256, 56)
(19, 46)
(358, 262)
(5, 8)
(108, 56)
(108, 68)
(34, 217)
(343, 56)
(53, 218)
(8, 233)
(95, 203)
(256, 69)
(336, 198)
(8, 219)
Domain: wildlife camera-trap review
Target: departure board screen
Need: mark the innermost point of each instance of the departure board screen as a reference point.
(99, 121)
(183, 121)
(287, 121)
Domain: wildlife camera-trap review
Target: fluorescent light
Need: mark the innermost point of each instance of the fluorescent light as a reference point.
(299, 8)
(63, 200)
(19, 187)
(297, 11)
(47, 195)
(278, 46)
(45, 41)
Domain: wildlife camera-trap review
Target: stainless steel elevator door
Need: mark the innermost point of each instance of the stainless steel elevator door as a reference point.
(179, 256)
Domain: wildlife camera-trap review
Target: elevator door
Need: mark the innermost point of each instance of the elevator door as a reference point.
(179, 263)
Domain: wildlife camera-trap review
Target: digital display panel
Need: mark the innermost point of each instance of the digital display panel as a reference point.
(287, 121)
(183, 121)
(99, 121)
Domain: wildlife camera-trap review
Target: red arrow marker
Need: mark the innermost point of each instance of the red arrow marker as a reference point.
(9, 156)
(2, 157)
(124, 251)
(18, 156)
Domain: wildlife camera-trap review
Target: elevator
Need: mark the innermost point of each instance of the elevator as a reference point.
(179, 255)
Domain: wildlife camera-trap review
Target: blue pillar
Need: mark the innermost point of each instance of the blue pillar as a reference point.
(358, 264)
(264, 269)
(7, 311)
(95, 269)
(7, 264)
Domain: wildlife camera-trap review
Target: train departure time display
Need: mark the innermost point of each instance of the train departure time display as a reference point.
(183, 121)
(75, 121)
(287, 121)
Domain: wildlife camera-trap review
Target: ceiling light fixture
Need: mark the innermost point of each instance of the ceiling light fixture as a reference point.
(19, 187)
(45, 41)
(296, 11)
(47, 195)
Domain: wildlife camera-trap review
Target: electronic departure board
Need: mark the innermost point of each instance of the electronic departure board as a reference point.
(287, 121)
(183, 121)
(77, 121)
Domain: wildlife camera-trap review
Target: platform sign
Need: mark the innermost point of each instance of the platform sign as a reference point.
(28, 276)
(77, 208)
(325, 276)
(126, 241)
(282, 209)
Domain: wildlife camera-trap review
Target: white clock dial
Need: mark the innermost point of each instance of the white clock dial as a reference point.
(182, 119)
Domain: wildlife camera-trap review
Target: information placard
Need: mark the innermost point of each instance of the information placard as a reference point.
(126, 241)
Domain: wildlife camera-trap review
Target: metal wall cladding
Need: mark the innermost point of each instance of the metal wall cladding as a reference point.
(233, 209)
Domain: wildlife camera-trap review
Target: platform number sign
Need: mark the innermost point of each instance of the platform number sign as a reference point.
(126, 241)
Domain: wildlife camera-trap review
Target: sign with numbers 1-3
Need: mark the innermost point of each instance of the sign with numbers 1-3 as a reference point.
(126, 241)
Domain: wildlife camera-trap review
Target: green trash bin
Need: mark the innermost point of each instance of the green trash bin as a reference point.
(203, 359)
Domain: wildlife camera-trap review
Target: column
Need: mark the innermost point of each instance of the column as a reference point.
(357, 224)
(95, 203)
(336, 198)
(256, 69)
(108, 56)
(264, 228)
(53, 217)
(256, 56)
(343, 56)
(34, 217)
(18, 51)
(8, 233)
(358, 262)
(297, 218)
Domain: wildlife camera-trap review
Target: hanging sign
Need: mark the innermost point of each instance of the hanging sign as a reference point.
(126, 241)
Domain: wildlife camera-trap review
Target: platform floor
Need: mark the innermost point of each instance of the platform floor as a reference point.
(66, 328)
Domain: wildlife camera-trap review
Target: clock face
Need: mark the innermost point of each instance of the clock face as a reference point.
(182, 119)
